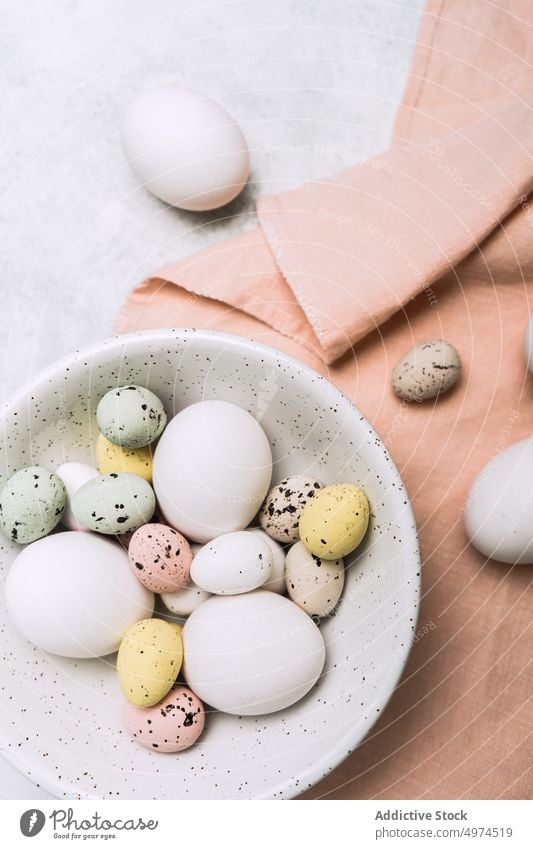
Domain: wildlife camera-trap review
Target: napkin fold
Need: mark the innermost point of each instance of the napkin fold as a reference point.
(432, 239)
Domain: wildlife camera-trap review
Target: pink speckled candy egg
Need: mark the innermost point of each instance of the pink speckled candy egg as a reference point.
(160, 557)
(174, 724)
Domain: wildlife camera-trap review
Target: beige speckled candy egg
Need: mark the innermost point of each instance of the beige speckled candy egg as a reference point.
(160, 557)
(113, 458)
(114, 504)
(149, 660)
(32, 502)
(313, 584)
(131, 416)
(172, 725)
(280, 514)
(334, 522)
(427, 370)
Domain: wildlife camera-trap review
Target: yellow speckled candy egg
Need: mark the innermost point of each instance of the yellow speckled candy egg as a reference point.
(334, 522)
(113, 458)
(149, 661)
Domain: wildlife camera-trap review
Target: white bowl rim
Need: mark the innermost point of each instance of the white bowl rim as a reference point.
(325, 764)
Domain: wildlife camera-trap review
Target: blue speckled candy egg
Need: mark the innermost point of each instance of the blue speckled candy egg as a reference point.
(131, 416)
(31, 504)
(114, 504)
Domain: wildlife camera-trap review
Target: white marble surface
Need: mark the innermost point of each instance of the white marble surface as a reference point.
(314, 83)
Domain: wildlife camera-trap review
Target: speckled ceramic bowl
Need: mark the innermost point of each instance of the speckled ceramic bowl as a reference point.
(60, 721)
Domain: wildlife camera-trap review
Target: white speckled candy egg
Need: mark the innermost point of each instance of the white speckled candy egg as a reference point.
(172, 725)
(276, 582)
(114, 504)
(74, 475)
(232, 563)
(212, 470)
(427, 370)
(498, 512)
(131, 416)
(74, 594)
(185, 148)
(313, 584)
(280, 514)
(32, 503)
(273, 653)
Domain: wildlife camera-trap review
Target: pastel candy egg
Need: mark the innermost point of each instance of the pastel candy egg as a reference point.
(114, 504)
(131, 416)
(232, 563)
(280, 514)
(276, 582)
(74, 475)
(334, 522)
(149, 660)
(32, 503)
(172, 725)
(182, 602)
(212, 470)
(251, 654)
(160, 557)
(73, 594)
(427, 370)
(313, 584)
(113, 458)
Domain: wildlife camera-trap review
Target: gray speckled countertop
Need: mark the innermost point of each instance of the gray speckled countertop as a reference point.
(314, 84)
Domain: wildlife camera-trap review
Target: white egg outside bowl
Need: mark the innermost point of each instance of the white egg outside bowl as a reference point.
(60, 722)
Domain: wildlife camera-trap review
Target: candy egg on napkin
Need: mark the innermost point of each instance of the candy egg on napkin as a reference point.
(232, 563)
(498, 512)
(32, 503)
(212, 470)
(313, 584)
(149, 660)
(334, 522)
(114, 504)
(280, 514)
(251, 654)
(73, 594)
(131, 416)
(74, 475)
(172, 725)
(160, 557)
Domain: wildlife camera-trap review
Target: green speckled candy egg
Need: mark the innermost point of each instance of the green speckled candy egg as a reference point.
(114, 504)
(149, 660)
(131, 416)
(31, 504)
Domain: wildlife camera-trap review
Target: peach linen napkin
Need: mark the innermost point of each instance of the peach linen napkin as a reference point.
(433, 239)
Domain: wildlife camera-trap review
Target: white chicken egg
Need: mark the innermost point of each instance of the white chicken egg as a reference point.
(212, 469)
(498, 513)
(251, 654)
(185, 148)
(232, 563)
(75, 595)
